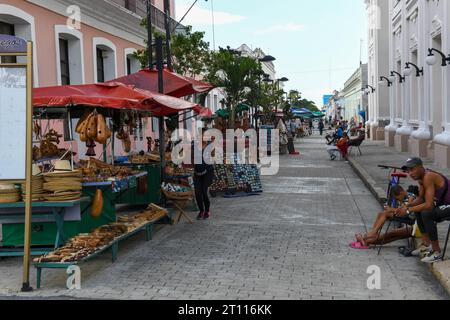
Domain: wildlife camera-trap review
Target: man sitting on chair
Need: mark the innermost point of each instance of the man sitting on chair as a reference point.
(431, 207)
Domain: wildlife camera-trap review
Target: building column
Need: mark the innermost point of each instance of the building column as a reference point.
(403, 133)
(442, 146)
(391, 129)
(420, 138)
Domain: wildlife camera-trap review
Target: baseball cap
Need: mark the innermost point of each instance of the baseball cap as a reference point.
(412, 163)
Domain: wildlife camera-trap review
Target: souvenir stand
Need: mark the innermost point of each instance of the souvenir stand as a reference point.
(237, 177)
(107, 182)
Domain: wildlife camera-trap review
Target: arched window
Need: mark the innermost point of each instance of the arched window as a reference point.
(132, 65)
(105, 60)
(19, 23)
(69, 56)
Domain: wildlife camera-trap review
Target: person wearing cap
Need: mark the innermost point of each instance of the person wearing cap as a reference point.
(431, 207)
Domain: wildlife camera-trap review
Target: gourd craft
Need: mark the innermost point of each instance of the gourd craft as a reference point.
(102, 130)
(81, 125)
(92, 127)
(97, 204)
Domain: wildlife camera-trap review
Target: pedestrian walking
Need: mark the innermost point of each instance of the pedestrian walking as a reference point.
(203, 178)
(321, 127)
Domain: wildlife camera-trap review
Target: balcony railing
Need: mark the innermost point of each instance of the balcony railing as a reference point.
(139, 7)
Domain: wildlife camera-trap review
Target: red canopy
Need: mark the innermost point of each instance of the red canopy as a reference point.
(110, 95)
(175, 85)
(115, 96)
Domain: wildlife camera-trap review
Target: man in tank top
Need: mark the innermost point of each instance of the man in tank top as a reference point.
(431, 207)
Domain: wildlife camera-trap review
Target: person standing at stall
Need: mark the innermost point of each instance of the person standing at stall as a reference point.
(203, 178)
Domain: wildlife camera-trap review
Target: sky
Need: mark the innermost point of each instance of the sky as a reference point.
(317, 44)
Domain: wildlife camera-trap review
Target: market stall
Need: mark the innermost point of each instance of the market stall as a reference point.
(102, 110)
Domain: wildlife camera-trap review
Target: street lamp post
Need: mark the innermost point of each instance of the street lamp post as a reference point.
(265, 59)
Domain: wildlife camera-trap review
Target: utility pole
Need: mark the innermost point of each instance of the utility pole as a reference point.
(149, 35)
(168, 36)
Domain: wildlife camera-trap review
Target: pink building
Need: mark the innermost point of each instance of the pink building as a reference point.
(98, 48)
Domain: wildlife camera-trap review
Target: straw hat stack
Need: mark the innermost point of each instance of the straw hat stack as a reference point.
(63, 184)
(9, 193)
(37, 186)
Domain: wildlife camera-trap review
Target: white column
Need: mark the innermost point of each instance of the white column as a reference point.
(423, 133)
(444, 138)
(406, 129)
(392, 89)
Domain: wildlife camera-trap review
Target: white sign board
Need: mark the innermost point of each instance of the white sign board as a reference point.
(13, 124)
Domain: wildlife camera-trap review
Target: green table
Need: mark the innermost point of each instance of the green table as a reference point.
(113, 192)
(14, 223)
(153, 194)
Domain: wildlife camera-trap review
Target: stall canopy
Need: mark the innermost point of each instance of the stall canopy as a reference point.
(114, 96)
(175, 85)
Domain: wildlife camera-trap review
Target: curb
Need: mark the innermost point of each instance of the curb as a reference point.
(378, 193)
(441, 270)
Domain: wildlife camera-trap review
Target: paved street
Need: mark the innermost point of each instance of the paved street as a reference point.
(292, 242)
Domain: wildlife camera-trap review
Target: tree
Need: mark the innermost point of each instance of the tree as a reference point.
(190, 52)
(237, 75)
(298, 102)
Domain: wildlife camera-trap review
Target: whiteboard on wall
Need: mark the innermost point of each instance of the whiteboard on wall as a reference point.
(13, 123)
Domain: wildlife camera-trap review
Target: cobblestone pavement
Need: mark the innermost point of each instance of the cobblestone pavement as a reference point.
(292, 242)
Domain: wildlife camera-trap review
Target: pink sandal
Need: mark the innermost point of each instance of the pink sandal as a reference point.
(359, 246)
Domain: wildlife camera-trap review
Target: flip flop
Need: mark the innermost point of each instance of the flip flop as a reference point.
(358, 246)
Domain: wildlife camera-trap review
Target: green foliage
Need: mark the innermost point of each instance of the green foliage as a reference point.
(190, 52)
(298, 102)
(237, 75)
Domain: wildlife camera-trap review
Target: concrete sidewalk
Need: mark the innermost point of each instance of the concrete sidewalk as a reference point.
(376, 179)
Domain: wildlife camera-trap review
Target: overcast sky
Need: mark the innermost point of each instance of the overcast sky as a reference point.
(317, 43)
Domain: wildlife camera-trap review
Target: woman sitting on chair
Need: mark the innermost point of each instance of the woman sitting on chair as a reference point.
(340, 148)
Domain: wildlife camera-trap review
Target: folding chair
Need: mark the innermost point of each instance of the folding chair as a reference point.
(357, 145)
(399, 220)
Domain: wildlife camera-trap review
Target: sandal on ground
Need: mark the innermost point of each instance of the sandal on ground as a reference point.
(359, 246)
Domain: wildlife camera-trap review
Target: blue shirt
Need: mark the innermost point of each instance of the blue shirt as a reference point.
(340, 133)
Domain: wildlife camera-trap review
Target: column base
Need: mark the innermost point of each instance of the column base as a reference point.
(430, 150)
(380, 133)
(389, 139)
(373, 132)
(419, 148)
(442, 156)
(401, 143)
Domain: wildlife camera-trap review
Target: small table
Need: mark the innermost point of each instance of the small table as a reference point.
(58, 209)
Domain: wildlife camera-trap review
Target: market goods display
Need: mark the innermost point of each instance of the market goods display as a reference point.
(144, 159)
(151, 214)
(9, 193)
(62, 185)
(176, 192)
(37, 189)
(98, 171)
(49, 146)
(236, 178)
(84, 245)
(92, 127)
